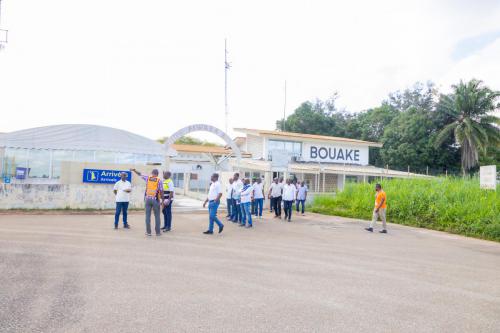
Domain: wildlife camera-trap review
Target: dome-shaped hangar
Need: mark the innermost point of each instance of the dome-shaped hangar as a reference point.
(42, 149)
(81, 137)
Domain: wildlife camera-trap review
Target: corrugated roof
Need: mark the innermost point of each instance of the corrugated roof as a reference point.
(81, 137)
(292, 135)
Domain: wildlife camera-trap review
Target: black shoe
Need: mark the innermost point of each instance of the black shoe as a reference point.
(208, 232)
(249, 226)
(221, 228)
(116, 226)
(289, 220)
(369, 229)
(242, 225)
(166, 230)
(126, 226)
(158, 234)
(383, 231)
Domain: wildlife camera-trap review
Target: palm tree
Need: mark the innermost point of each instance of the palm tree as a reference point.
(473, 125)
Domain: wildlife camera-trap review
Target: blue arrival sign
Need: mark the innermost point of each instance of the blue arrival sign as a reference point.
(97, 176)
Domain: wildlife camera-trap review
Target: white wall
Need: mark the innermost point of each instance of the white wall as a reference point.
(255, 146)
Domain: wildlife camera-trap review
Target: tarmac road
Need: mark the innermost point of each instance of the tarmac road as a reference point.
(74, 273)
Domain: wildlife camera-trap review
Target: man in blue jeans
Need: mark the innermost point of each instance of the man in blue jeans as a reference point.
(258, 197)
(229, 199)
(213, 200)
(301, 196)
(122, 191)
(237, 186)
(246, 204)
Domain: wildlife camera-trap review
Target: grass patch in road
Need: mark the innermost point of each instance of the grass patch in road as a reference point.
(453, 205)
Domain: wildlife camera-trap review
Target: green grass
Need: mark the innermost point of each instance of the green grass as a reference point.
(453, 205)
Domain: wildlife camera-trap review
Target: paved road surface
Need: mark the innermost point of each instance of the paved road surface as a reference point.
(74, 273)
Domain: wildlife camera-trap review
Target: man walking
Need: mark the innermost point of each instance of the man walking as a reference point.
(152, 198)
(213, 200)
(301, 196)
(122, 191)
(258, 197)
(237, 186)
(380, 209)
(246, 202)
(289, 194)
(275, 192)
(168, 198)
(229, 198)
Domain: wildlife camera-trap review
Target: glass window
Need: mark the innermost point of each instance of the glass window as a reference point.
(105, 156)
(156, 159)
(141, 159)
(39, 163)
(15, 158)
(294, 148)
(84, 156)
(124, 158)
(59, 156)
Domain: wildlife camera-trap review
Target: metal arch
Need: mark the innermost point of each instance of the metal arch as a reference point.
(201, 128)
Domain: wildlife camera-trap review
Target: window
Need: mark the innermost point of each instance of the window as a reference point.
(292, 147)
(105, 156)
(39, 163)
(15, 158)
(84, 156)
(59, 156)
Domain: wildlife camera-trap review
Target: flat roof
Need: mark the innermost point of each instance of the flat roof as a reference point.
(311, 137)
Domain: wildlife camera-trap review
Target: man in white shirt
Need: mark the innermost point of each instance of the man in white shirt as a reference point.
(301, 196)
(246, 201)
(275, 192)
(258, 197)
(122, 191)
(229, 198)
(237, 186)
(289, 194)
(213, 200)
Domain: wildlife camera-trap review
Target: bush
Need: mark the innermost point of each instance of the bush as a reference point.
(448, 204)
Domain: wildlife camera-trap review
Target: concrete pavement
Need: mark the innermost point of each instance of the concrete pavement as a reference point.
(74, 273)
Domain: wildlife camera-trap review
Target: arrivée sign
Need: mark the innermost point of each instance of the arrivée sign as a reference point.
(313, 152)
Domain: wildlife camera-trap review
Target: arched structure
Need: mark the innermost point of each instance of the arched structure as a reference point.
(201, 128)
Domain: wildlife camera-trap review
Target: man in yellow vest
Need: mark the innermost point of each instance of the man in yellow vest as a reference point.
(152, 199)
(168, 197)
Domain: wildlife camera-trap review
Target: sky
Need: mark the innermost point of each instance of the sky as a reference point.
(154, 66)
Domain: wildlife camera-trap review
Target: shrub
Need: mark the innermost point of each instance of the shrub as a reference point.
(454, 205)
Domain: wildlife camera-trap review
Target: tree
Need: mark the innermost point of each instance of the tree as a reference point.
(189, 140)
(408, 141)
(319, 117)
(420, 95)
(472, 125)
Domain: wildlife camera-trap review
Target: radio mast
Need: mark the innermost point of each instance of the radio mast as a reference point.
(3, 32)
(227, 66)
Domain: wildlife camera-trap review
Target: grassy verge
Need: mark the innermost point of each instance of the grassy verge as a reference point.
(453, 205)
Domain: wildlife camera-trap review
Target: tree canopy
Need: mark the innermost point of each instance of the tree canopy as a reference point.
(415, 126)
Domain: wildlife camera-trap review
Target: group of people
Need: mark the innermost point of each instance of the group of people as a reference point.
(245, 198)
(158, 197)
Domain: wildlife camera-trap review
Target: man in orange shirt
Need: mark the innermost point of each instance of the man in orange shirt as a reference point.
(380, 208)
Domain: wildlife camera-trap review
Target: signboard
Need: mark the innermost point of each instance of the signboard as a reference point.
(97, 176)
(313, 152)
(21, 173)
(488, 177)
(6, 180)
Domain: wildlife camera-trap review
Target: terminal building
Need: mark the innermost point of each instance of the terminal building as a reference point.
(48, 167)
